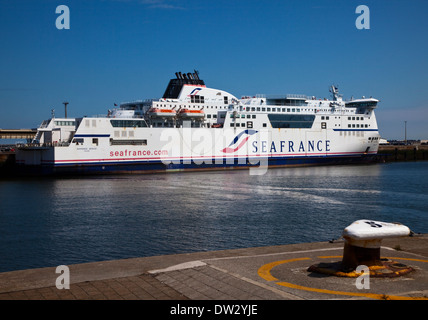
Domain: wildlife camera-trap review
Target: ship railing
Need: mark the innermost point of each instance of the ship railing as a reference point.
(44, 124)
(43, 145)
(288, 96)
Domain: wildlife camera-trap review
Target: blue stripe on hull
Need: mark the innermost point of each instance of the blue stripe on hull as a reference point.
(157, 166)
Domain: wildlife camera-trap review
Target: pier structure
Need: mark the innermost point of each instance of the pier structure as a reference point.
(17, 133)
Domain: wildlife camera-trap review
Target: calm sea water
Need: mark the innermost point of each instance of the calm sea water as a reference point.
(50, 222)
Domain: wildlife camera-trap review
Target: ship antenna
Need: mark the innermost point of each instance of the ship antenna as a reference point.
(335, 91)
(196, 74)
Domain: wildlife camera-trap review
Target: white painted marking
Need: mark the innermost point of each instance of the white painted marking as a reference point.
(181, 266)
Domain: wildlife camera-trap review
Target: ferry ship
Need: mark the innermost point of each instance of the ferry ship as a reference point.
(194, 127)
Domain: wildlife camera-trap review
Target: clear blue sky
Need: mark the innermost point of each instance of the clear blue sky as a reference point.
(123, 50)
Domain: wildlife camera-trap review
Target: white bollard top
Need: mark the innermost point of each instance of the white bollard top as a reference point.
(374, 230)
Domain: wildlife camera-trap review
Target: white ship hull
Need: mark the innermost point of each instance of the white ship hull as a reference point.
(241, 135)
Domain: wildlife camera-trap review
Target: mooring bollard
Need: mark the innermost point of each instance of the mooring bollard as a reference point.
(363, 241)
(362, 248)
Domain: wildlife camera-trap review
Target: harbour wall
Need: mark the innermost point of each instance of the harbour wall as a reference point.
(391, 153)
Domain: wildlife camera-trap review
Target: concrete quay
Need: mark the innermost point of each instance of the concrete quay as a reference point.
(262, 273)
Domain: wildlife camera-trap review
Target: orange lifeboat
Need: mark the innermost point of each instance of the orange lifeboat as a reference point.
(162, 113)
(191, 114)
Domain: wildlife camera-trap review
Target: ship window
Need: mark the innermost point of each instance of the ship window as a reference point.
(197, 99)
(249, 124)
(349, 125)
(293, 110)
(322, 118)
(253, 116)
(78, 141)
(264, 125)
(128, 123)
(142, 142)
(253, 109)
(214, 116)
(291, 120)
(263, 109)
(258, 109)
(283, 109)
(268, 109)
(95, 141)
(64, 123)
(248, 116)
(208, 116)
(323, 125)
(226, 100)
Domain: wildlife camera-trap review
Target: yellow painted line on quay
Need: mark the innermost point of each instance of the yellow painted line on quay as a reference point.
(265, 273)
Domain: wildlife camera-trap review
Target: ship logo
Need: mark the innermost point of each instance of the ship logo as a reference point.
(195, 91)
(239, 141)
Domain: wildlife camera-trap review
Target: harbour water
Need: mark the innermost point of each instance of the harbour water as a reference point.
(50, 222)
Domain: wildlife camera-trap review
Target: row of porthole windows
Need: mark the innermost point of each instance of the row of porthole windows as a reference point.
(255, 109)
(358, 125)
(159, 105)
(356, 118)
(64, 123)
(269, 109)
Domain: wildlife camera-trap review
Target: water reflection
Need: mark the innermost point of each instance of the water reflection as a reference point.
(64, 221)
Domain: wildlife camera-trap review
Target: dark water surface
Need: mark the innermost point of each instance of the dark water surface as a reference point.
(49, 222)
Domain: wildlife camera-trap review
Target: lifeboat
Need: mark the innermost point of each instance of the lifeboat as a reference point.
(191, 114)
(162, 113)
